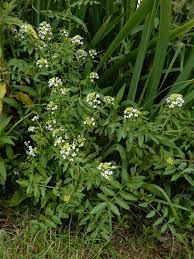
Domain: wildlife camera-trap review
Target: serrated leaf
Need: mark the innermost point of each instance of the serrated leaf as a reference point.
(107, 191)
(158, 222)
(164, 228)
(128, 196)
(114, 208)
(151, 214)
(123, 204)
(98, 208)
(136, 182)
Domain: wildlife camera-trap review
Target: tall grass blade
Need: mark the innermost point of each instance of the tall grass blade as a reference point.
(134, 20)
(161, 49)
(106, 27)
(174, 33)
(149, 23)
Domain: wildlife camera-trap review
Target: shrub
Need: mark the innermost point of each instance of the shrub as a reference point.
(93, 156)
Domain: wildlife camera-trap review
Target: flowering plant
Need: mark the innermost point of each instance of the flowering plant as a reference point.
(93, 156)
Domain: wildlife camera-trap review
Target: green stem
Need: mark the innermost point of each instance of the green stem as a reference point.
(18, 122)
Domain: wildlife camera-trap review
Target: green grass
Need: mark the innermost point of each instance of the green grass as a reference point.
(19, 240)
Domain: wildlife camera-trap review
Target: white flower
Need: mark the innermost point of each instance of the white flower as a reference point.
(30, 150)
(52, 107)
(69, 151)
(50, 124)
(58, 131)
(42, 45)
(93, 76)
(58, 141)
(108, 100)
(93, 99)
(49, 127)
(92, 53)
(131, 112)
(175, 100)
(31, 129)
(81, 54)
(81, 140)
(24, 30)
(35, 118)
(41, 63)
(45, 31)
(90, 121)
(55, 82)
(64, 33)
(77, 40)
(64, 91)
(138, 3)
(106, 169)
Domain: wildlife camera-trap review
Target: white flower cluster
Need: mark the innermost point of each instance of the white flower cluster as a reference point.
(70, 151)
(131, 112)
(55, 82)
(42, 45)
(45, 31)
(175, 100)
(58, 131)
(41, 63)
(106, 169)
(30, 150)
(90, 122)
(50, 125)
(64, 33)
(31, 129)
(92, 53)
(77, 40)
(35, 118)
(81, 54)
(24, 30)
(64, 90)
(93, 99)
(58, 141)
(52, 107)
(108, 100)
(93, 76)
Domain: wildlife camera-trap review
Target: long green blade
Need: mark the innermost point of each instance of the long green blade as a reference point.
(149, 23)
(160, 55)
(135, 19)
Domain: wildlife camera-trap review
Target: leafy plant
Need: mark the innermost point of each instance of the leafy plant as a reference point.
(69, 171)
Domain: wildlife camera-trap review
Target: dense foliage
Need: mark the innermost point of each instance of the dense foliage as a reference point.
(102, 123)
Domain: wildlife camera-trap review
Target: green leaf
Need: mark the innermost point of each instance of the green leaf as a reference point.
(133, 21)
(99, 208)
(119, 96)
(2, 94)
(189, 180)
(164, 228)
(2, 172)
(160, 55)
(114, 208)
(17, 198)
(135, 182)
(128, 196)
(151, 214)
(148, 26)
(123, 204)
(107, 191)
(158, 222)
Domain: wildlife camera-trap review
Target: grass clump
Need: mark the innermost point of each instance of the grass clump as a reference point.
(18, 239)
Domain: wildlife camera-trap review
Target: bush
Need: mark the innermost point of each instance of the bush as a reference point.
(94, 157)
